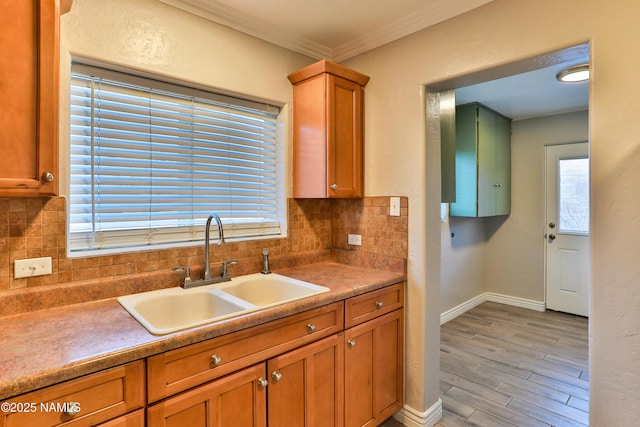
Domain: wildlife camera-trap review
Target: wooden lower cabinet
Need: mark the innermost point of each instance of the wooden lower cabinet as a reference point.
(305, 389)
(307, 385)
(134, 419)
(238, 400)
(374, 370)
(84, 401)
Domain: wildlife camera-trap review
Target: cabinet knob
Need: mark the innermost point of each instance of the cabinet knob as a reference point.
(73, 411)
(48, 176)
(215, 360)
(334, 187)
(379, 304)
(351, 343)
(277, 376)
(262, 382)
(311, 327)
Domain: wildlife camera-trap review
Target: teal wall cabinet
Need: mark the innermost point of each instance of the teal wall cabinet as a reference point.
(483, 162)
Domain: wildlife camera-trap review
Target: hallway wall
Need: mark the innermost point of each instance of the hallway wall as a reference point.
(514, 256)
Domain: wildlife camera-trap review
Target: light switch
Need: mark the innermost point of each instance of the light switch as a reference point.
(394, 206)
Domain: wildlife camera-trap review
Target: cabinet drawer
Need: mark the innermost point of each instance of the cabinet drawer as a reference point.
(134, 419)
(97, 397)
(373, 304)
(186, 367)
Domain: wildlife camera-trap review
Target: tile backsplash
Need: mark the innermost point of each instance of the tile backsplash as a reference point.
(36, 227)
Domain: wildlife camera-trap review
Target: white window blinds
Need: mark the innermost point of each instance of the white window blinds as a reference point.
(150, 161)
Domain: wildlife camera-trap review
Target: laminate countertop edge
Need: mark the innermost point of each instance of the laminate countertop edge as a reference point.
(46, 347)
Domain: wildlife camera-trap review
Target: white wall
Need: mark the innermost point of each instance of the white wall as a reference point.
(515, 244)
(463, 261)
(499, 33)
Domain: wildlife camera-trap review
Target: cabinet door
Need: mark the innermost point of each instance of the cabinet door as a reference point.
(306, 385)
(487, 178)
(345, 138)
(503, 165)
(374, 370)
(29, 91)
(237, 400)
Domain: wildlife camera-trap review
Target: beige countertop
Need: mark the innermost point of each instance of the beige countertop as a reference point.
(44, 347)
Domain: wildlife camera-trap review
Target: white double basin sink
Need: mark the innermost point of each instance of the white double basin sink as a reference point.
(173, 309)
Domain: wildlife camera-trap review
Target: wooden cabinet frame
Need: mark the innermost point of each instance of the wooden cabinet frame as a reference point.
(29, 122)
(328, 131)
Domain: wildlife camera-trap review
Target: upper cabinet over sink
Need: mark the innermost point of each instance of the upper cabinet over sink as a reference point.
(328, 128)
(29, 42)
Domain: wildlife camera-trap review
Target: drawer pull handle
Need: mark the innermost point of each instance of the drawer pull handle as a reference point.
(277, 376)
(379, 304)
(262, 382)
(311, 327)
(215, 360)
(73, 411)
(351, 343)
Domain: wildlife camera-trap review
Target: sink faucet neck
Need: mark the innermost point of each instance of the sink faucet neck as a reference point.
(207, 266)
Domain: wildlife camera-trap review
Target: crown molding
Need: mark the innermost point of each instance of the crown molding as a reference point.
(228, 17)
(437, 11)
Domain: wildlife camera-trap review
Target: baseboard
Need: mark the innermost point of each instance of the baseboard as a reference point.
(462, 308)
(515, 301)
(412, 418)
(493, 297)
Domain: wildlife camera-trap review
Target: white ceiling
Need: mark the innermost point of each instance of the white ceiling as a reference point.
(532, 94)
(341, 29)
(328, 29)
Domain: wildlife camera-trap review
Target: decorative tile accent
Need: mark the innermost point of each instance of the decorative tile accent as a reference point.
(32, 228)
(369, 217)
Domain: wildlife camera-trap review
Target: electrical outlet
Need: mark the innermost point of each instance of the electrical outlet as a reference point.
(31, 267)
(394, 206)
(355, 239)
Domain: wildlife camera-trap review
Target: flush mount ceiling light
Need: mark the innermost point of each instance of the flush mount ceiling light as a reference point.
(576, 73)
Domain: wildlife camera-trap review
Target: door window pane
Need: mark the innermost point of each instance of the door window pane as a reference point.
(573, 195)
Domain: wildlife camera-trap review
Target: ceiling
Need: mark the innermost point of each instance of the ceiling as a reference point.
(532, 94)
(341, 29)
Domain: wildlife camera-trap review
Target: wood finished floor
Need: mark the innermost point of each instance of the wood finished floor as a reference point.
(508, 366)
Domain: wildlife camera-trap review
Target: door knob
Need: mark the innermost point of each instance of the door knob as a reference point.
(277, 376)
(262, 382)
(552, 237)
(334, 187)
(552, 225)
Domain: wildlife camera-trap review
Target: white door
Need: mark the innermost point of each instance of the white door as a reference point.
(567, 228)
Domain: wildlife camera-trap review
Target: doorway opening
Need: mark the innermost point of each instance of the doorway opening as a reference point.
(502, 258)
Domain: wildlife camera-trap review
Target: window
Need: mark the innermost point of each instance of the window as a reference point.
(573, 196)
(150, 161)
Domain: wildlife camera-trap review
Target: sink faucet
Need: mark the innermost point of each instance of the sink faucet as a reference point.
(208, 278)
(207, 267)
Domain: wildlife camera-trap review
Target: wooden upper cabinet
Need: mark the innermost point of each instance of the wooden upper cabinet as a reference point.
(29, 73)
(328, 131)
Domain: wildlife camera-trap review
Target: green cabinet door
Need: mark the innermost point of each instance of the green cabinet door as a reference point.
(483, 162)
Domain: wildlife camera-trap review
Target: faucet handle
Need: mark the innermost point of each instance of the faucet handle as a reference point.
(225, 273)
(187, 273)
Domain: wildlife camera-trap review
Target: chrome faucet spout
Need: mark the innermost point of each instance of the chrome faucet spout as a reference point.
(207, 266)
